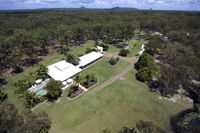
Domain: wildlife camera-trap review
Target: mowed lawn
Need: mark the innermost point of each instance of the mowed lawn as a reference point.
(120, 104)
(103, 70)
(135, 47)
(80, 50)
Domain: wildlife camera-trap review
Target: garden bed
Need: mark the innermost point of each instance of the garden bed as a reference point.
(88, 85)
(74, 91)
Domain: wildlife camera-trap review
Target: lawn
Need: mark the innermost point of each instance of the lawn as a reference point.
(135, 47)
(120, 104)
(103, 70)
(113, 49)
(80, 50)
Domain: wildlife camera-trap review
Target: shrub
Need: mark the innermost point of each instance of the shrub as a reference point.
(148, 127)
(124, 52)
(2, 82)
(90, 80)
(121, 45)
(17, 69)
(88, 50)
(113, 61)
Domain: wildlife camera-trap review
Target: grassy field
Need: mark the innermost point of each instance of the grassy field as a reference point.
(120, 104)
(134, 47)
(113, 49)
(103, 70)
(80, 50)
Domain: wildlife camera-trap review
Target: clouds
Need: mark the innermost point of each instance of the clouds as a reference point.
(145, 4)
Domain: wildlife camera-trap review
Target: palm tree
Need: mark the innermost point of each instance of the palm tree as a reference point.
(78, 80)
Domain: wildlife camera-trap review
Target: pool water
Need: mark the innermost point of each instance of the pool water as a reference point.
(41, 92)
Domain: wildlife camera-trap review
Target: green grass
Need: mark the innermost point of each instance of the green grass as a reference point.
(135, 47)
(103, 70)
(120, 104)
(113, 49)
(80, 50)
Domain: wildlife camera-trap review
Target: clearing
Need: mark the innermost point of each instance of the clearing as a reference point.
(121, 104)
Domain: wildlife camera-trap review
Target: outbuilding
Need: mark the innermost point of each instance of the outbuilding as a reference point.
(89, 58)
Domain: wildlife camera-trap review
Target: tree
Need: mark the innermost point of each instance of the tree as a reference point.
(90, 79)
(3, 96)
(78, 79)
(128, 130)
(41, 72)
(10, 118)
(65, 36)
(31, 99)
(145, 74)
(124, 52)
(187, 123)
(22, 86)
(17, 69)
(54, 89)
(26, 122)
(145, 60)
(148, 127)
(72, 59)
(2, 82)
(33, 123)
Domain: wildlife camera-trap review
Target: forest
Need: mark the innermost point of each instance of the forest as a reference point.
(27, 36)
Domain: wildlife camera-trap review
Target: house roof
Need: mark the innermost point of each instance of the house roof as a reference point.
(88, 58)
(62, 70)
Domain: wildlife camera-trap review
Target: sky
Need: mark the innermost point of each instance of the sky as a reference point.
(140, 4)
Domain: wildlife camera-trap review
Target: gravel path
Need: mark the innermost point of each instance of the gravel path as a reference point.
(132, 60)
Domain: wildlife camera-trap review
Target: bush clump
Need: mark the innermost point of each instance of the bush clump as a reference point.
(90, 80)
(124, 52)
(113, 61)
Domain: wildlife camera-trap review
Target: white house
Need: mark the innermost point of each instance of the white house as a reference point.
(63, 70)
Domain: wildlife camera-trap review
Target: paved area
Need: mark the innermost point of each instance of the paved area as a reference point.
(131, 60)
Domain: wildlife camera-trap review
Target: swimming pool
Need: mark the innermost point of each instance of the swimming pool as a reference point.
(41, 92)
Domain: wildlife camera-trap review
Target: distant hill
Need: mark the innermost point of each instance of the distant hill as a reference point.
(123, 8)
